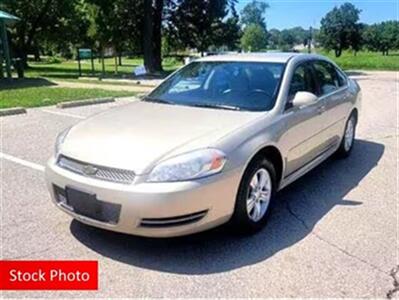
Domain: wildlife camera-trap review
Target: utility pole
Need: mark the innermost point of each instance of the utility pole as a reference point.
(310, 39)
(102, 63)
(1, 62)
(3, 34)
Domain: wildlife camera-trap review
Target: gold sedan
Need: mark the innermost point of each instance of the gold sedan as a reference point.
(213, 143)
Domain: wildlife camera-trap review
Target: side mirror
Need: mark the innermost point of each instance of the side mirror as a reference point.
(304, 99)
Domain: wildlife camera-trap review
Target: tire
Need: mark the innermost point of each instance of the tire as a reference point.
(245, 220)
(346, 146)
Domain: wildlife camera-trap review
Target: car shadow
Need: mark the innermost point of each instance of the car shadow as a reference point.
(301, 206)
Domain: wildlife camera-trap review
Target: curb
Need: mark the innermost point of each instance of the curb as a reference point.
(69, 104)
(125, 80)
(12, 111)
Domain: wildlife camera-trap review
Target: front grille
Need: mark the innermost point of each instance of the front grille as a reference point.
(95, 171)
(173, 221)
(100, 210)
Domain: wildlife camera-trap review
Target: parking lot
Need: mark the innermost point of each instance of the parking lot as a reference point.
(333, 234)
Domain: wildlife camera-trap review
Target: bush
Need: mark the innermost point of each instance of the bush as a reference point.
(254, 38)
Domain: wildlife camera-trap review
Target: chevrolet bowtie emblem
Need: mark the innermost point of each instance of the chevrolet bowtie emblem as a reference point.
(90, 170)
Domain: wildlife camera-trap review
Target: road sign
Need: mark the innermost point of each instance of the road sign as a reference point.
(85, 53)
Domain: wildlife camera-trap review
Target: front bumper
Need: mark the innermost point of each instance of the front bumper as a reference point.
(152, 209)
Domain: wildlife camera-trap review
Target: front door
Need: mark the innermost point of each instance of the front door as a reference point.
(304, 139)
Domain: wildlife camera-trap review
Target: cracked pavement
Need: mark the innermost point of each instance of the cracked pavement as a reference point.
(334, 233)
(394, 274)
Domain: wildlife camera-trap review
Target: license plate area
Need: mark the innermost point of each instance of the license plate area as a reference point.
(86, 204)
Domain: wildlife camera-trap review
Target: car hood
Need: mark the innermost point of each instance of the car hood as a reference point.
(137, 135)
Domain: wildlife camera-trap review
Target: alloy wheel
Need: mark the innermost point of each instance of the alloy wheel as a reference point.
(259, 194)
(349, 134)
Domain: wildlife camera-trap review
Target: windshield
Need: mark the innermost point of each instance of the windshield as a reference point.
(249, 86)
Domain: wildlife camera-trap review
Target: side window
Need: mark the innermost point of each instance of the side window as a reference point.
(302, 81)
(342, 81)
(326, 76)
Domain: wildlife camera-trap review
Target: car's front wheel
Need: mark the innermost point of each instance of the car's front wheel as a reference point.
(255, 196)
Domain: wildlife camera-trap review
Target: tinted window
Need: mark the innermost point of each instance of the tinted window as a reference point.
(326, 76)
(236, 85)
(302, 81)
(341, 78)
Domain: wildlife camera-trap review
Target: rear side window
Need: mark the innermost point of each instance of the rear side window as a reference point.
(302, 81)
(327, 77)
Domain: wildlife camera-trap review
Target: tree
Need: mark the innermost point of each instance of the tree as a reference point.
(253, 13)
(45, 21)
(200, 24)
(300, 35)
(229, 33)
(131, 24)
(356, 38)
(339, 27)
(254, 38)
(287, 39)
(152, 39)
(274, 38)
(382, 37)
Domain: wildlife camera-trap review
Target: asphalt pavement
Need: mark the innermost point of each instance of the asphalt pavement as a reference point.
(333, 234)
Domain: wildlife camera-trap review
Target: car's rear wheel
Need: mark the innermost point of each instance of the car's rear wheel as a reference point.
(348, 138)
(255, 196)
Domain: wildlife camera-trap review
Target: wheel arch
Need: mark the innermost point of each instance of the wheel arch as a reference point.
(355, 113)
(273, 154)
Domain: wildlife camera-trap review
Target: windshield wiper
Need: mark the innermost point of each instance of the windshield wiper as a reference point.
(205, 105)
(157, 100)
(217, 106)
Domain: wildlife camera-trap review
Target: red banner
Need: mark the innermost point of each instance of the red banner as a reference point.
(48, 275)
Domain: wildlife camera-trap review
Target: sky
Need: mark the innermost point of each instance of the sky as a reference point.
(290, 13)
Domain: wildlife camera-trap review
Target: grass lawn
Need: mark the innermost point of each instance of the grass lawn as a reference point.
(45, 95)
(69, 69)
(38, 89)
(365, 60)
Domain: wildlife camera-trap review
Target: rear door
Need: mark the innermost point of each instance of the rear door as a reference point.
(333, 94)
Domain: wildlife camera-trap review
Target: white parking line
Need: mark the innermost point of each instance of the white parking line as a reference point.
(62, 114)
(22, 162)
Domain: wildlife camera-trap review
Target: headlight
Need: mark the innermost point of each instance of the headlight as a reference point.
(60, 140)
(191, 165)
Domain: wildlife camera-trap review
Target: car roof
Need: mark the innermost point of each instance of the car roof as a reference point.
(275, 57)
